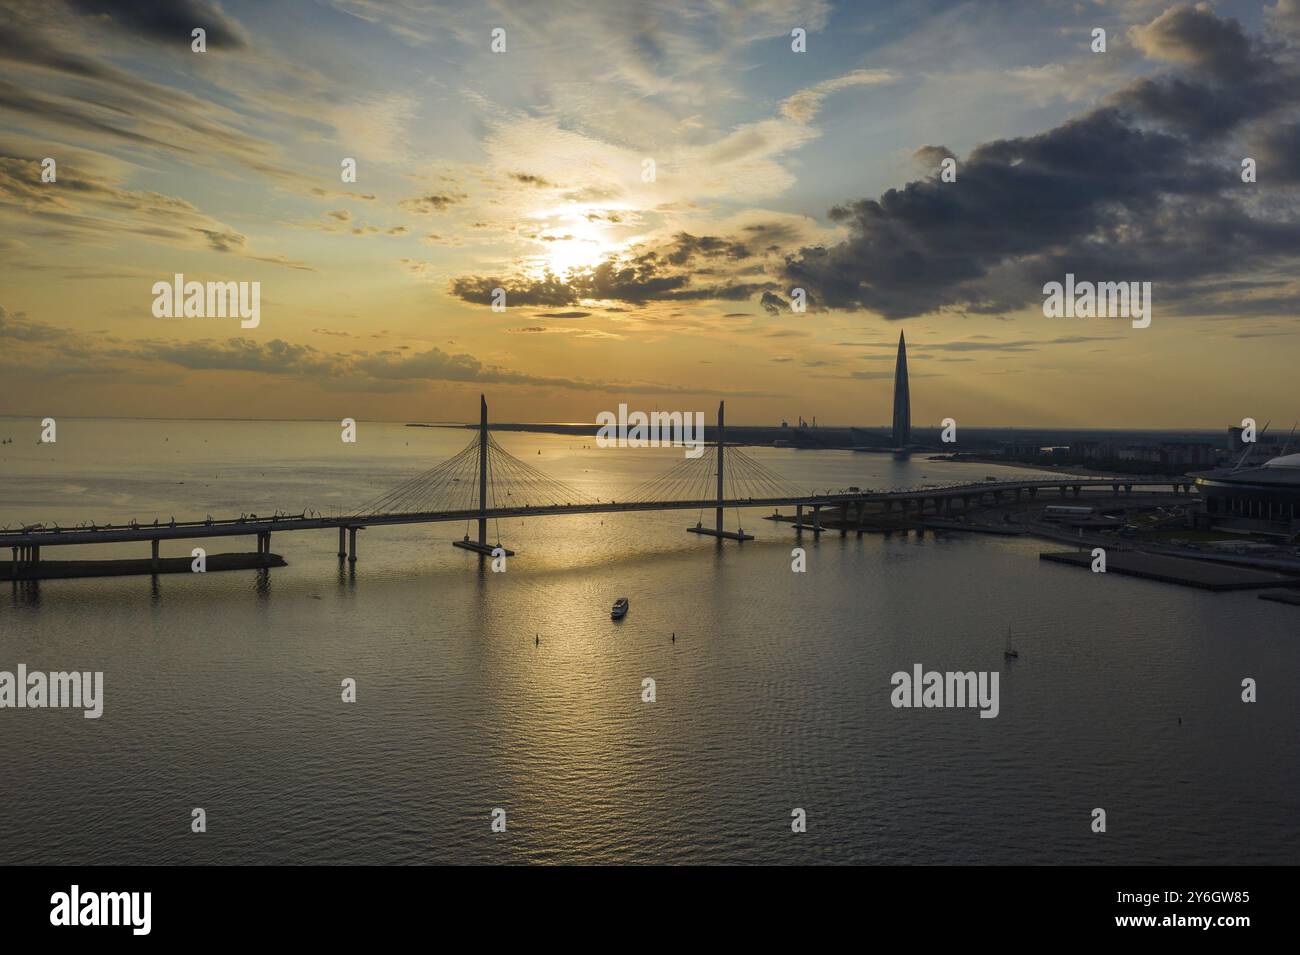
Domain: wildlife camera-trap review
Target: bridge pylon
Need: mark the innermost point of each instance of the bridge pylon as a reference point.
(481, 546)
(717, 531)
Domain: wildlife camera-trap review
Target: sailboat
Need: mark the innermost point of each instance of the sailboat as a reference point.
(1010, 653)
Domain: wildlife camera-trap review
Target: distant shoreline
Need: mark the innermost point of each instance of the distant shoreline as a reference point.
(1078, 470)
(976, 445)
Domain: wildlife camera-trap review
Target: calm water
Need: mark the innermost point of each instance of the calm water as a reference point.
(222, 690)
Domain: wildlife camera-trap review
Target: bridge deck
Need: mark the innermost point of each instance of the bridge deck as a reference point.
(189, 530)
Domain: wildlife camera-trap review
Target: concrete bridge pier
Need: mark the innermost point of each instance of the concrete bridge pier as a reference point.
(25, 556)
(844, 520)
(153, 558)
(343, 552)
(352, 545)
(817, 518)
(798, 518)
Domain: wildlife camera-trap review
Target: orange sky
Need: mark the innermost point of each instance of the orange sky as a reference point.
(527, 170)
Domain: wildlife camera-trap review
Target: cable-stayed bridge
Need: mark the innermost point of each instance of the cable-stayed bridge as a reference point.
(484, 483)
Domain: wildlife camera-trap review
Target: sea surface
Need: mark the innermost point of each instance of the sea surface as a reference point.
(479, 691)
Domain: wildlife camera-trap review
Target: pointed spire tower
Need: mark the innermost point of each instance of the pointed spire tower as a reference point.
(902, 398)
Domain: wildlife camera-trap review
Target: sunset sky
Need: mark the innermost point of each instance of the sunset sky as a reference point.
(773, 170)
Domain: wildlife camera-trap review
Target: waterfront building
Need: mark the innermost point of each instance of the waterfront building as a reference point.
(1264, 499)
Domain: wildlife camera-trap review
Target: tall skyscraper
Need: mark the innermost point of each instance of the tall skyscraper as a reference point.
(902, 398)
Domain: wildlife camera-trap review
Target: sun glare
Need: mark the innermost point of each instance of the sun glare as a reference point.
(571, 242)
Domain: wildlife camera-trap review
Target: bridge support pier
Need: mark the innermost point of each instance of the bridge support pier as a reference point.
(15, 573)
(342, 543)
(817, 518)
(798, 518)
(352, 545)
(153, 558)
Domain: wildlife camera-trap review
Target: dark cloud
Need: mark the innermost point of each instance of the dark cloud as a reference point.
(223, 241)
(546, 291)
(1277, 153)
(427, 205)
(1143, 187)
(16, 326)
(1230, 79)
(1073, 194)
(1127, 192)
(274, 357)
(930, 158)
(668, 272)
(773, 304)
(168, 21)
(1195, 37)
(84, 207)
(687, 247)
(95, 97)
(25, 101)
(529, 180)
